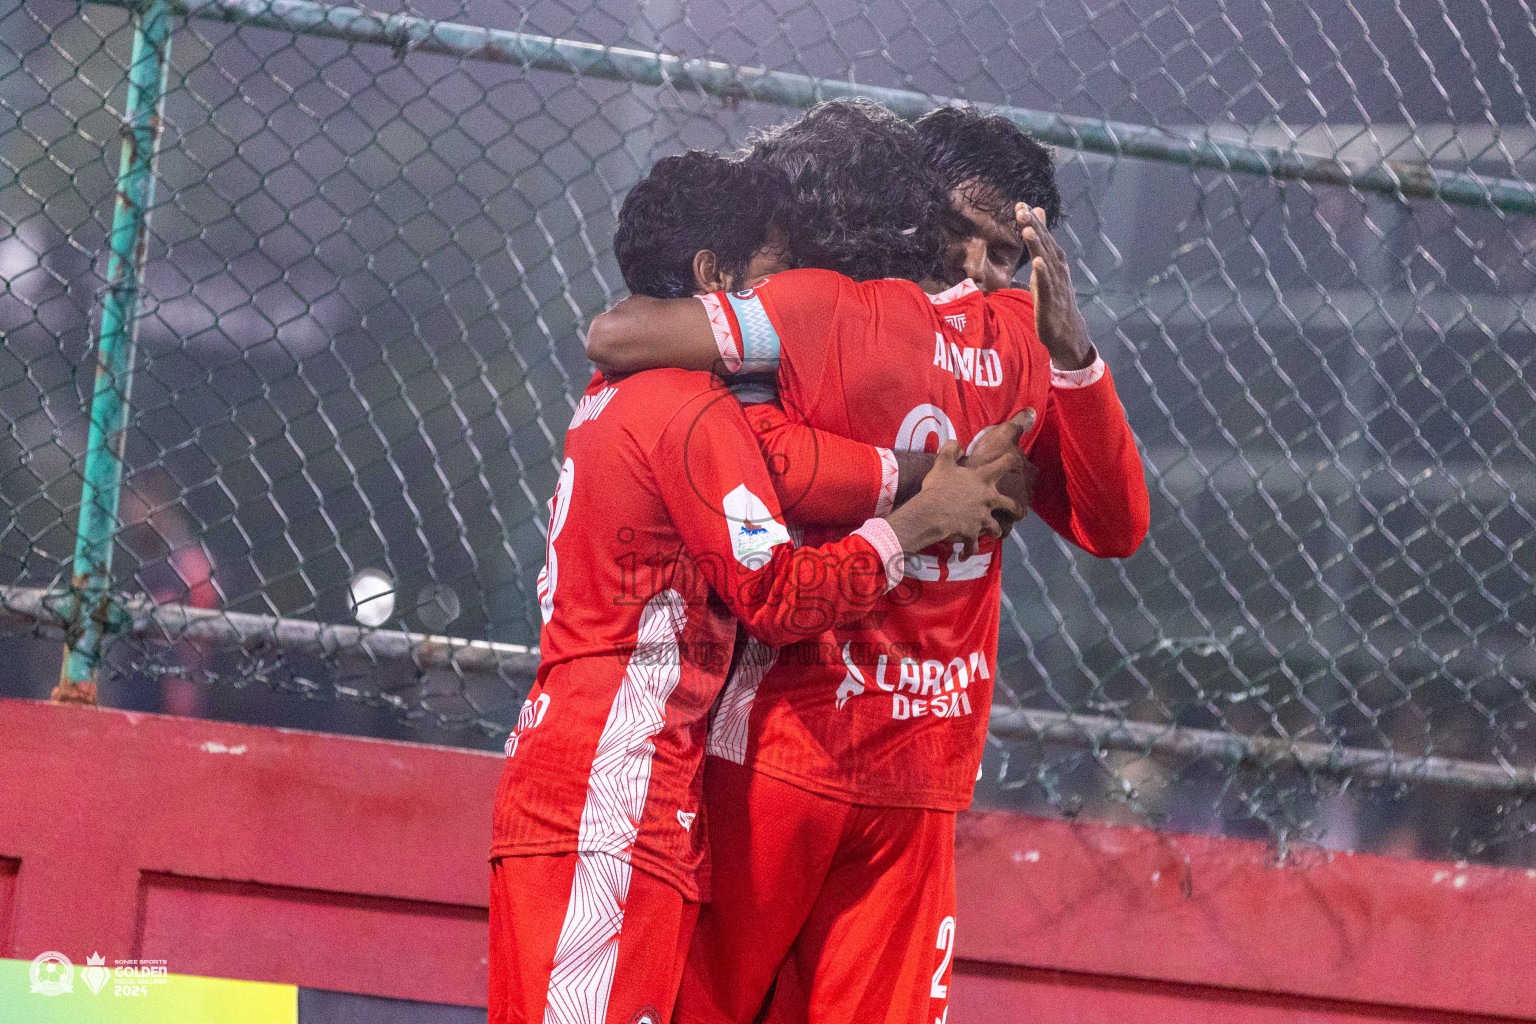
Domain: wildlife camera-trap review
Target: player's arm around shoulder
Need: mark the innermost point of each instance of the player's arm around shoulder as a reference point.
(642, 333)
(710, 473)
(718, 493)
(724, 332)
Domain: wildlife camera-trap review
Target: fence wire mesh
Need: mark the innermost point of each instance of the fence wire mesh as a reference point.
(374, 248)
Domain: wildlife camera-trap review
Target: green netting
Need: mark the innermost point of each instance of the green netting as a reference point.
(1304, 242)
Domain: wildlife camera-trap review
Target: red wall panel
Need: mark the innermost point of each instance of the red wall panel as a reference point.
(993, 993)
(1125, 903)
(8, 869)
(359, 865)
(311, 937)
(236, 827)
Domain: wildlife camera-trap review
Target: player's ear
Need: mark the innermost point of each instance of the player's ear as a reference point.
(707, 275)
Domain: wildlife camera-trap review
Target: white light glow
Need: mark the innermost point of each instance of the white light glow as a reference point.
(373, 598)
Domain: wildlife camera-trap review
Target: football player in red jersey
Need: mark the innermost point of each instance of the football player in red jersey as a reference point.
(835, 781)
(988, 165)
(819, 476)
(664, 531)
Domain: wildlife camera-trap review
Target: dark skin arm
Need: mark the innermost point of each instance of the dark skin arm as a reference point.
(911, 468)
(642, 333)
(1018, 483)
(955, 502)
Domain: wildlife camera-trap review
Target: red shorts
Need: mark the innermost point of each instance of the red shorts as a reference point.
(583, 938)
(857, 903)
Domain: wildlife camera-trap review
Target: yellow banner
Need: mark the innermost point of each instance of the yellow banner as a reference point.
(54, 990)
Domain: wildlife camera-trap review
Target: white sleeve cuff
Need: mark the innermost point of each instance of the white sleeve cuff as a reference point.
(1088, 375)
(721, 325)
(883, 539)
(890, 477)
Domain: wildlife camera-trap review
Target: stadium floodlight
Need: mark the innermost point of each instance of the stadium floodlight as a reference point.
(373, 598)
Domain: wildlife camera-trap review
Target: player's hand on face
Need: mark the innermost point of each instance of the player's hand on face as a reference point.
(1058, 319)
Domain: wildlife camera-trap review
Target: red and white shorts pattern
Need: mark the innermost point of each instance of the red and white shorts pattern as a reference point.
(584, 938)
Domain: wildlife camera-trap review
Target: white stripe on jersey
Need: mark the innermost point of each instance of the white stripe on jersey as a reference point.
(581, 979)
(621, 767)
(587, 952)
(728, 727)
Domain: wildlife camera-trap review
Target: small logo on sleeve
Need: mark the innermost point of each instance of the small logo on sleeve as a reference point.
(685, 819)
(754, 530)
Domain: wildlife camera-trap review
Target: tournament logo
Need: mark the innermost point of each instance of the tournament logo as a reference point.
(95, 973)
(52, 974)
(648, 1015)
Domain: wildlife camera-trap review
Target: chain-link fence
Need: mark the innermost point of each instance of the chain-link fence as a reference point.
(1303, 238)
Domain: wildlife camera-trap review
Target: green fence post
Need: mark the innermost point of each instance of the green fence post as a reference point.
(92, 610)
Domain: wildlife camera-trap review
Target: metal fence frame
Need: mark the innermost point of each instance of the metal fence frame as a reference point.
(89, 612)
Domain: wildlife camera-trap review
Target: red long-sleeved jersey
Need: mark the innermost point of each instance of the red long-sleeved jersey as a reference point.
(664, 532)
(1091, 489)
(896, 715)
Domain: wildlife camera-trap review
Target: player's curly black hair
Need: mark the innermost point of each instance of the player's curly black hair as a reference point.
(968, 147)
(690, 202)
(863, 199)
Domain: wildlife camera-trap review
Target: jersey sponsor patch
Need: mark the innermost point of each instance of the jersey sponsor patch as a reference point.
(853, 683)
(754, 530)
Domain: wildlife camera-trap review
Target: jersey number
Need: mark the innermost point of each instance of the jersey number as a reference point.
(946, 942)
(924, 422)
